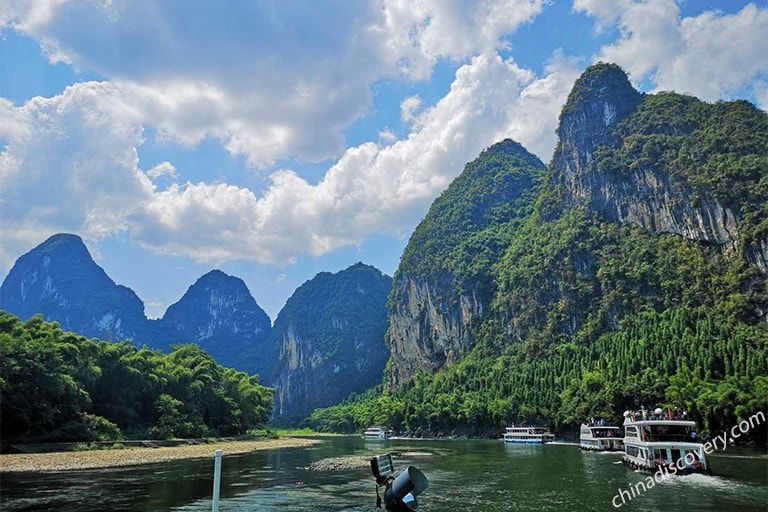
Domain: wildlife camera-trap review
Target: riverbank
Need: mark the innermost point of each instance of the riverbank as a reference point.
(97, 459)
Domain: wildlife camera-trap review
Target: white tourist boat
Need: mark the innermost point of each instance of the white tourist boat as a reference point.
(658, 440)
(377, 434)
(601, 437)
(528, 435)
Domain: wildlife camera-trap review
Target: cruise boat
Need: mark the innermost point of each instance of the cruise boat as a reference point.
(656, 440)
(528, 435)
(601, 437)
(377, 434)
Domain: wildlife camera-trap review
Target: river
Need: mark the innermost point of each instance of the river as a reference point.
(470, 475)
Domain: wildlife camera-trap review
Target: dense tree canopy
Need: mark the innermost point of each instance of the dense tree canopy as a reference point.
(60, 386)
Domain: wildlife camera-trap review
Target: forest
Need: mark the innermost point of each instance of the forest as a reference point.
(58, 386)
(687, 348)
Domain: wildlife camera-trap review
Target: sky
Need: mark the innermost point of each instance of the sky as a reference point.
(275, 139)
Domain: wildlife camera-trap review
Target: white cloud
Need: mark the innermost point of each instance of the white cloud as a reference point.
(649, 34)
(761, 93)
(271, 81)
(387, 136)
(712, 56)
(720, 55)
(408, 108)
(70, 164)
(372, 188)
(606, 11)
(162, 169)
(417, 33)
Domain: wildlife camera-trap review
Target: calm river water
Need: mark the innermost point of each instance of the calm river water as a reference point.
(473, 475)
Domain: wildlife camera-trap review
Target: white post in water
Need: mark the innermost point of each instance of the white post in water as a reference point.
(216, 481)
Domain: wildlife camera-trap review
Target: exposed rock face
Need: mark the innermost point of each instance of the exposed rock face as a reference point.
(600, 98)
(435, 302)
(663, 162)
(331, 336)
(60, 279)
(428, 328)
(216, 310)
(644, 193)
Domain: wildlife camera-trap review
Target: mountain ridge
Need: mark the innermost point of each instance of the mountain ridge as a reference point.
(60, 279)
(330, 336)
(634, 276)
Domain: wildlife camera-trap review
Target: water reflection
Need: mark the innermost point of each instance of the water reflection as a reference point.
(463, 475)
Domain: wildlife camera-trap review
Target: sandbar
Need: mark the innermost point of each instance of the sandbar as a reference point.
(134, 456)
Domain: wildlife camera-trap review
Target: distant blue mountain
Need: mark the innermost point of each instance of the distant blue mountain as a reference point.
(219, 314)
(328, 341)
(60, 280)
(331, 340)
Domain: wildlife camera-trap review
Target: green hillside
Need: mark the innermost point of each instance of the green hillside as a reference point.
(592, 315)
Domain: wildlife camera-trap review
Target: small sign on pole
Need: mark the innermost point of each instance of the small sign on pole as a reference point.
(216, 481)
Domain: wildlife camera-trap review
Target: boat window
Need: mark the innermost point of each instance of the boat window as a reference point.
(670, 433)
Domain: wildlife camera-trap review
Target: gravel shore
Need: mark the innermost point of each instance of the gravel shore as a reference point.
(341, 464)
(69, 461)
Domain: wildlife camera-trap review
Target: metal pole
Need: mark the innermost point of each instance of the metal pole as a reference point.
(216, 481)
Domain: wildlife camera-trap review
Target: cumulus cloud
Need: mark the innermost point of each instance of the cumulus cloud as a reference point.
(372, 187)
(271, 81)
(69, 164)
(99, 189)
(720, 54)
(712, 55)
(162, 169)
(408, 108)
(387, 136)
(415, 34)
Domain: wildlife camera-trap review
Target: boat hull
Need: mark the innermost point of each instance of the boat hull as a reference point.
(526, 441)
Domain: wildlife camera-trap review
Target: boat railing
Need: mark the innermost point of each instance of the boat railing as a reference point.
(670, 438)
(645, 415)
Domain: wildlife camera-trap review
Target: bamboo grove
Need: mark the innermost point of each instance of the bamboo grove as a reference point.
(60, 386)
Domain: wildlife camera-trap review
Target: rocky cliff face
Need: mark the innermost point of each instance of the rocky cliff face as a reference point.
(216, 311)
(621, 171)
(444, 284)
(331, 338)
(665, 162)
(60, 279)
(429, 326)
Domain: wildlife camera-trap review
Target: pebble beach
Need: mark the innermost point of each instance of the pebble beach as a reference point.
(95, 459)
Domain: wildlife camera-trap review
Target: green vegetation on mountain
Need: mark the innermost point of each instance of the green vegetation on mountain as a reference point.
(719, 148)
(468, 227)
(60, 386)
(683, 344)
(330, 335)
(591, 316)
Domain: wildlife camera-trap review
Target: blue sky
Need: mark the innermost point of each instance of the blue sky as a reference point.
(275, 140)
